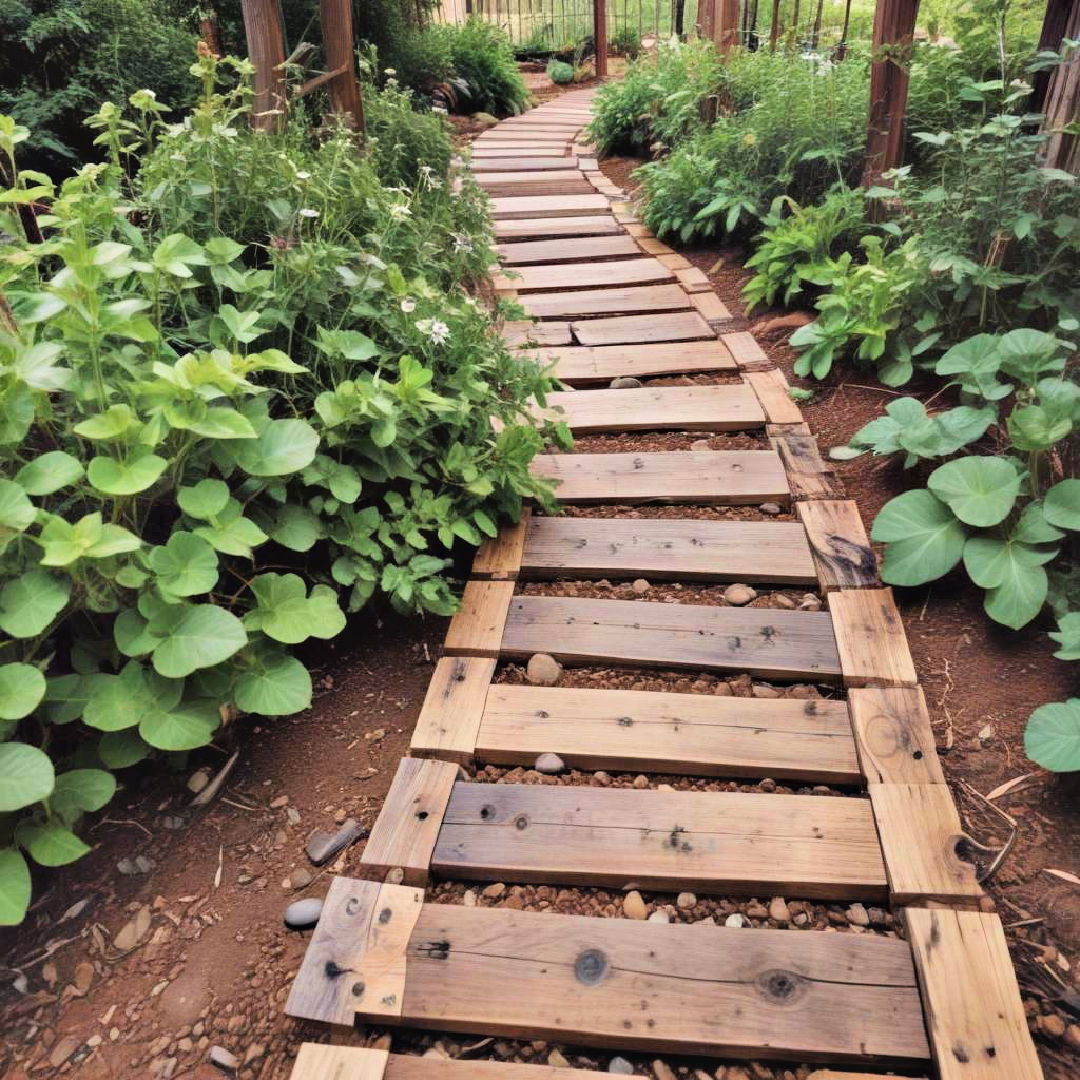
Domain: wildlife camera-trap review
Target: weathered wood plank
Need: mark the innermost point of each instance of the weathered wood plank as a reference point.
(686, 550)
(528, 176)
(692, 279)
(773, 644)
(550, 227)
(708, 842)
(403, 1067)
(810, 475)
(320, 1061)
(499, 558)
(538, 185)
(978, 1030)
(453, 706)
(747, 352)
(555, 305)
(531, 206)
(521, 164)
(772, 390)
(524, 334)
(699, 476)
(477, 627)
(636, 271)
(582, 365)
(893, 735)
(565, 251)
(870, 638)
(643, 329)
(711, 308)
(655, 408)
(517, 147)
(694, 734)
(840, 545)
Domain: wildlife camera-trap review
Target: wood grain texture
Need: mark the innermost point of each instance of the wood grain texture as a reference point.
(772, 388)
(695, 734)
(697, 476)
(508, 164)
(555, 305)
(584, 365)
(481, 154)
(653, 986)
(405, 831)
(565, 251)
(527, 334)
(773, 644)
(536, 185)
(841, 548)
(531, 206)
(402, 1067)
(643, 329)
(708, 842)
(921, 836)
(711, 308)
(688, 550)
(541, 228)
(509, 178)
(978, 1030)
(870, 638)
(810, 476)
(636, 271)
(893, 735)
(747, 352)
(655, 408)
(320, 1061)
(692, 279)
(356, 958)
(450, 716)
(499, 558)
(477, 628)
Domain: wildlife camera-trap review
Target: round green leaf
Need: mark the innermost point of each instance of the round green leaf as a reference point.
(14, 887)
(205, 500)
(980, 491)
(48, 473)
(122, 749)
(49, 843)
(200, 636)
(1013, 574)
(81, 791)
(286, 613)
(279, 687)
(186, 566)
(28, 604)
(282, 447)
(117, 702)
(924, 539)
(1061, 506)
(22, 687)
(26, 776)
(114, 477)
(17, 512)
(184, 728)
(1052, 738)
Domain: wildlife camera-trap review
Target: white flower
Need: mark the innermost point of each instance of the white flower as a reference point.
(439, 332)
(399, 211)
(391, 71)
(408, 304)
(309, 213)
(462, 242)
(303, 175)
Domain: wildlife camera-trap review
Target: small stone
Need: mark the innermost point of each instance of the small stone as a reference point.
(322, 846)
(761, 691)
(470, 898)
(659, 915)
(857, 915)
(198, 780)
(801, 918)
(701, 444)
(300, 878)
(641, 586)
(144, 864)
(633, 906)
(625, 382)
(549, 764)
(173, 821)
(494, 891)
(662, 1071)
(1051, 1025)
(782, 600)
(63, 1050)
(757, 910)
(810, 602)
(543, 670)
(292, 815)
(303, 914)
(131, 933)
(253, 1053)
(1072, 1036)
(84, 977)
(685, 900)
(279, 803)
(739, 594)
(735, 920)
(770, 508)
(557, 1061)
(225, 1061)
(778, 910)
(620, 1067)
(641, 782)
(127, 867)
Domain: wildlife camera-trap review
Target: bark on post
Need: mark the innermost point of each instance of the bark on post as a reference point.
(774, 25)
(266, 47)
(894, 31)
(600, 36)
(1055, 20)
(725, 25)
(1063, 101)
(337, 32)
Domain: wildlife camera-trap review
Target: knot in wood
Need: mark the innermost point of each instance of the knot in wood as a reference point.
(781, 987)
(590, 967)
(521, 822)
(385, 916)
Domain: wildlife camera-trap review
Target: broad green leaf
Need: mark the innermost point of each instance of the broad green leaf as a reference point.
(233, 534)
(976, 361)
(66, 696)
(1031, 427)
(28, 604)
(1013, 575)
(282, 447)
(185, 566)
(26, 776)
(177, 253)
(199, 636)
(64, 542)
(1033, 528)
(1068, 636)
(980, 491)
(14, 887)
(131, 632)
(50, 844)
(278, 685)
(122, 749)
(925, 541)
(115, 421)
(1052, 738)
(205, 500)
(118, 702)
(48, 473)
(185, 727)
(1061, 505)
(286, 613)
(22, 686)
(296, 528)
(125, 477)
(17, 512)
(221, 423)
(1026, 354)
(350, 344)
(81, 791)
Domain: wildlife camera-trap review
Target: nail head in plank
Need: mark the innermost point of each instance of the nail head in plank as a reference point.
(583, 364)
(555, 305)
(893, 735)
(531, 206)
(319, 1061)
(747, 352)
(772, 389)
(699, 476)
(499, 558)
(713, 991)
(356, 958)
(477, 627)
(978, 1029)
(773, 644)
(643, 329)
(920, 834)
(704, 841)
(840, 545)
(651, 731)
(808, 474)
(573, 276)
(565, 250)
(404, 834)
(453, 706)
(870, 638)
(541, 228)
(689, 550)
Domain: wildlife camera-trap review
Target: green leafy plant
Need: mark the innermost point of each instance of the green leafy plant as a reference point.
(559, 72)
(483, 62)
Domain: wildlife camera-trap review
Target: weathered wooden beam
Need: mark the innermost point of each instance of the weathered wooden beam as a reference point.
(337, 32)
(600, 36)
(266, 47)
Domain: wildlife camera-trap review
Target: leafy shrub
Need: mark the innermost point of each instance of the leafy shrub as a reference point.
(254, 359)
(407, 141)
(560, 73)
(483, 61)
(625, 41)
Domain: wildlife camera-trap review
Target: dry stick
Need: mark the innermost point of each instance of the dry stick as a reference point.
(1002, 852)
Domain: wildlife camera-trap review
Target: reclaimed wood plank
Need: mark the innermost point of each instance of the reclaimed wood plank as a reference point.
(643, 329)
(978, 1029)
(893, 735)
(761, 641)
(404, 834)
(532, 206)
(618, 301)
(582, 365)
(747, 352)
(517, 147)
(499, 558)
(840, 545)
(477, 628)
(870, 638)
(410, 1067)
(573, 276)
(453, 706)
(711, 308)
(811, 477)
(772, 389)
(692, 279)
(704, 841)
(521, 164)
(524, 334)
(694, 734)
(698, 476)
(565, 251)
(548, 227)
(655, 408)
(686, 550)
(538, 185)
(922, 838)
(320, 1061)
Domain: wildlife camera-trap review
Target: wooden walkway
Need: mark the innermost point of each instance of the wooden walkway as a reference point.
(942, 1001)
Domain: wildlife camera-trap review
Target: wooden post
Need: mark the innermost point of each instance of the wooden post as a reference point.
(894, 30)
(774, 25)
(600, 36)
(725, 25)
(266, 47)
(1053, 30)
(337, 32)
(1063, 101)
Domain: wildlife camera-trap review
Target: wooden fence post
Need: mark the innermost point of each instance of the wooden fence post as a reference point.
(725, 25)
(337, 33)
(600, 36)
(774, 25)
(266, 47)
(894, 31)
(1062, 102)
